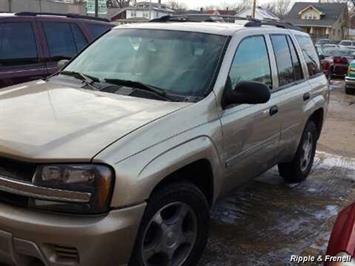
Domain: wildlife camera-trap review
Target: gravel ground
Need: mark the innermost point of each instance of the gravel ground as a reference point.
(267, 221)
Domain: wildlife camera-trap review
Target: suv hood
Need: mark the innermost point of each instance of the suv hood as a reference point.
(47, 121)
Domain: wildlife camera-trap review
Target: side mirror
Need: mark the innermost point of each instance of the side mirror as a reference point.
(247, 92)
(321, 57)
(62, 63)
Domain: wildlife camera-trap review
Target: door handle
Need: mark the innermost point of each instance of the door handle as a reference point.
(273, 110)
(306, 96)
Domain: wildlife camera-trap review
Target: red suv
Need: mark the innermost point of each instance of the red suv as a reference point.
(31, 44)
(342, 240)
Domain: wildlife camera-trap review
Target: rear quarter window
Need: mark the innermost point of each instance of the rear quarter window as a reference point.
(97, 29)
(310, 55)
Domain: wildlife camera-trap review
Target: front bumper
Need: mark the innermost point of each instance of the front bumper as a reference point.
(61, 240)
(349, 82)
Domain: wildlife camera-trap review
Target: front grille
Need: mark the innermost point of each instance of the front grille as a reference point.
(17, 169)
(13, 199)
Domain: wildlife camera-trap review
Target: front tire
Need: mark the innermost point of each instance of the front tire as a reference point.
(349, 90)
(299, 168)
(174, 228)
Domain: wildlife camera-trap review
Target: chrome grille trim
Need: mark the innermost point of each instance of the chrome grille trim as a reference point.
(29, 190)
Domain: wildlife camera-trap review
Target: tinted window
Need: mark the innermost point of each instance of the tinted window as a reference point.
(60, 40)
(79, 38)
(17, 43)
(283, 59)
(297, 70)
(310, 54)
(97, 29)
(251, 62)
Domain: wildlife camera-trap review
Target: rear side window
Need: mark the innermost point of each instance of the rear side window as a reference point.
(97, 29)
(283, 59)
(251, 62)
(60, 39)
(17, 43)
(310, 54)
(297, 69)
(79, 37)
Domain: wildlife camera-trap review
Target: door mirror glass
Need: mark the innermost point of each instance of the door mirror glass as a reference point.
(248, 92)
(62, 63)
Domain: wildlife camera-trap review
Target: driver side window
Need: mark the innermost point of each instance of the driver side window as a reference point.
(251, 63)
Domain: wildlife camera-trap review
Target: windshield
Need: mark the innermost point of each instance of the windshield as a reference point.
(182, 63)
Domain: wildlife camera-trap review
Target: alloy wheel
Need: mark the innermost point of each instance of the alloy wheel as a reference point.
(170, 236)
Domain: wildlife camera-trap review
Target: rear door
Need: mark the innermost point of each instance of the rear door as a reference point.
(292, 93)
(19, 53)
(64, 40)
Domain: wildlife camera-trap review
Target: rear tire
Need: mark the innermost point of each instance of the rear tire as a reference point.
(299, 168)
(349, 90)
(174, 227)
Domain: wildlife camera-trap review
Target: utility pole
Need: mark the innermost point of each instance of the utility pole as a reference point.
(254, 8)
(10, 6)
(150, 9)
(96, 8)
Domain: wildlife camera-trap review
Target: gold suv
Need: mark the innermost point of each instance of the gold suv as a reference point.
(118, 158)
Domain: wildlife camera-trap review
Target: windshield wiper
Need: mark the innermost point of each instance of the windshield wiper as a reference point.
(88, 80)
(140, 85)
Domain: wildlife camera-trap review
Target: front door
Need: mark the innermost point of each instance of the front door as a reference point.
(251, 133)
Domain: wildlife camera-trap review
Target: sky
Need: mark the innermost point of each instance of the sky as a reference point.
(198, 3)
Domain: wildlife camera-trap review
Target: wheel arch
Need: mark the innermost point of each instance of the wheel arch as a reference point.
(193, 173)
(318, 118)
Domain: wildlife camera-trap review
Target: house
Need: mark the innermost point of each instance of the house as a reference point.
(352, 27)
(54, 6)
(141, 11)
(116, 13)
(320, 20)
(228, 15)
(260, 13)
(219, 12)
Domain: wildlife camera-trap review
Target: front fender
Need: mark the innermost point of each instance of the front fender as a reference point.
(140, 174)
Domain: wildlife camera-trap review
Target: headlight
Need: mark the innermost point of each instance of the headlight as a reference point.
(87, 188)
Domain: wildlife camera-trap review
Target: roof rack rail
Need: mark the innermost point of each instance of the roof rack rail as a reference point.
(251, 22)
(69, 15)
(189, 18)
(270, 22)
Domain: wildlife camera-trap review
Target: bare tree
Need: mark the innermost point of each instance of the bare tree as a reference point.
(279, 7)
(175, 5)
(118, 3)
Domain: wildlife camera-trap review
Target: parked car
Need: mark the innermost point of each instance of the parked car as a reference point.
(342, 239)
(347, 44)
(118, 158)
(31, 44)
(335, 61)
(350, 79)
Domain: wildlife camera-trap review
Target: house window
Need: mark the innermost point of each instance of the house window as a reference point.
(133, 13)
(146, 14)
